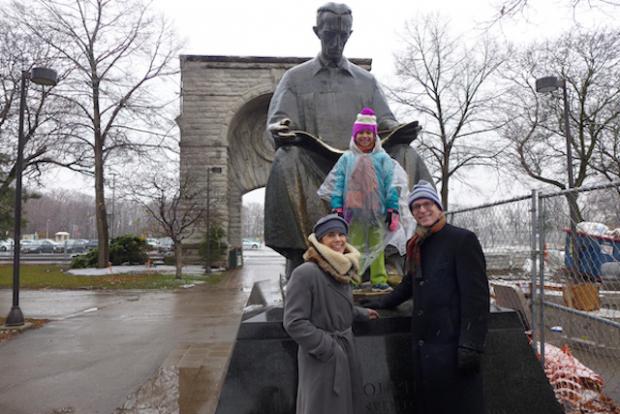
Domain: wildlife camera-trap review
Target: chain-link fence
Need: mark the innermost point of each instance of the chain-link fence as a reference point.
(555, 258)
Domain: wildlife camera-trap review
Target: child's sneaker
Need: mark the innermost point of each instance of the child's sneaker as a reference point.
(381, 287)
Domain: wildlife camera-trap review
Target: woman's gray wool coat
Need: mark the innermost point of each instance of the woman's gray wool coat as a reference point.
(318, 315)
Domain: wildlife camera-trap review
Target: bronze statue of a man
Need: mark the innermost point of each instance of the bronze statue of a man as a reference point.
(321, 97)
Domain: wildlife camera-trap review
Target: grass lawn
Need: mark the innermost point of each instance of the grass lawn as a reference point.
(52, 276)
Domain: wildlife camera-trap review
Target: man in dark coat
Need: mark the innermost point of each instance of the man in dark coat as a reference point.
(446, 276)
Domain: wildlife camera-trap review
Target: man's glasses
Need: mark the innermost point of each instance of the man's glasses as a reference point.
(427, 205)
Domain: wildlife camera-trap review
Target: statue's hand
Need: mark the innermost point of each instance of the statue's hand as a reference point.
(281, 133)
(282, 129)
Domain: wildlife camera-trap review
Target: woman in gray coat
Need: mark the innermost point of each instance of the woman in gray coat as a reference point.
(318, 315)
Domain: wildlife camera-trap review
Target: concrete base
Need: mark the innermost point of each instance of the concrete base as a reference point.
(25, 326)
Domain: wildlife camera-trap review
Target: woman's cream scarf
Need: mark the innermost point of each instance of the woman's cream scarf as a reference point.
(341, 266)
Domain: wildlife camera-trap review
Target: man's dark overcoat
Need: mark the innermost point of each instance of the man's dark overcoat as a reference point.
(450, 309)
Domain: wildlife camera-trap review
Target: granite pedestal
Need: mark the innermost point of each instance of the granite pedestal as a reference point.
(262, 375)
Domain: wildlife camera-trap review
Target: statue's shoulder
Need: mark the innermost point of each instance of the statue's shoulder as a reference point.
(302, 69)
(360, 72)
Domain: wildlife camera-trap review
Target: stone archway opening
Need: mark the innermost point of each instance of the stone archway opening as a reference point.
(253, 215)
(249, 162)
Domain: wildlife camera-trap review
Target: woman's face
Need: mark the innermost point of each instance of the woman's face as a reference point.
(334, 240)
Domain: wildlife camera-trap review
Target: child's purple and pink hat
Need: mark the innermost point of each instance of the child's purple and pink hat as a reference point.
(365, 121)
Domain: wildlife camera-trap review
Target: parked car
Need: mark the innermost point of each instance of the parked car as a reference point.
(152, 243)
(165, 245)
(6, 245)
(92, 244)
(74, 246)
(40, 246)
(250, 244)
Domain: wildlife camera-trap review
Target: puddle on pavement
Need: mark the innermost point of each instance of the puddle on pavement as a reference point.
(159, 395)
(187, 383)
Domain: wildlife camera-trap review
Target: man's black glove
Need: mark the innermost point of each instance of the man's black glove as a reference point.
(372, 303)
(468, 360)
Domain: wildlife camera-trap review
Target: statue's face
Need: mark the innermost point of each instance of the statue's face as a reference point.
(334, 31)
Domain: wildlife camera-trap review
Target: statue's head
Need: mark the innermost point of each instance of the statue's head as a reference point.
(333, 26)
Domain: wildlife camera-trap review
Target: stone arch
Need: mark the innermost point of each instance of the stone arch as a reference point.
(224, 102)
(251, 151)
(250, 157)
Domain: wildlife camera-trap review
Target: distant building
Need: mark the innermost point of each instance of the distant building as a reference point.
(61, 236)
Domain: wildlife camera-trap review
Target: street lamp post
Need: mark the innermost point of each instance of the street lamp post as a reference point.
(215, 170)
(40, 76)
(550, 84)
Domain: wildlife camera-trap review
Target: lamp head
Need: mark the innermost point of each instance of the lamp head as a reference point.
(547, 84)
(43, 76)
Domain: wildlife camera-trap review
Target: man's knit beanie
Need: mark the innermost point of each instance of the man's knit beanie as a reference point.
(424, 189)
(365, 121)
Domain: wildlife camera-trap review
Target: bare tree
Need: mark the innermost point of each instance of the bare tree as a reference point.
(449, 83)
(44, 112)
(59, 210)
(175, 206)
(511, 8)
(589, 62)
(115, 51)
(252, 217)
(606, 159)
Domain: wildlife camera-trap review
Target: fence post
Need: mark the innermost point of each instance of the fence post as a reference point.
(533, 254)
(541, 270)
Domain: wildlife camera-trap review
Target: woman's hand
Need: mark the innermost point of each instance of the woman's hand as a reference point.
(373, 314)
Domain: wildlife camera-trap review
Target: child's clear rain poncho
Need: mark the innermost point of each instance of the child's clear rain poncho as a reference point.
(365, 186)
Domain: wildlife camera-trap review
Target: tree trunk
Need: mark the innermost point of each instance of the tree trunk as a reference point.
(573, 208)
(101, 214)
(100, 210)
(178, 259)
(445, 180)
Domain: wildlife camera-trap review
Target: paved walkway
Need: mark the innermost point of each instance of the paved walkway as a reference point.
(127, 352)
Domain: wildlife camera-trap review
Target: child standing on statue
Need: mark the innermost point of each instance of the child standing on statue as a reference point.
(361, 189)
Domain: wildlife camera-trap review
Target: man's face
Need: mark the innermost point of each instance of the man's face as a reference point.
(334, 31)
(425, 212)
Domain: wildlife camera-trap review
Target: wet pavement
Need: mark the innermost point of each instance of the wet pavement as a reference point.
(128, 351)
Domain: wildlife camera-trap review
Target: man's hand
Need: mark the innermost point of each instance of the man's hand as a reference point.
(339, 211)
(468, 360)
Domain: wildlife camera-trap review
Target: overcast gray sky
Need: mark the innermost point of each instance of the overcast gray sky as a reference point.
(284, 28)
